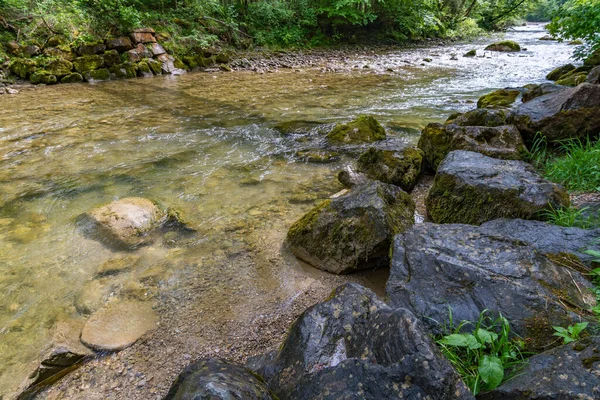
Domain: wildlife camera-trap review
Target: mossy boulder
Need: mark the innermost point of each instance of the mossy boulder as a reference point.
(43, 77)
(154, 66)
(111, 57)
(117, 72)
(572, 79)
(72, 78)
(437, 140)
(98, 75)
(481, 117)
(471, 188)
(470, 53)
(501, 98)
(504, 46)
(91, 48)
(120, 44)
(593, 59)
(540, 90)
(190, 61)
(401, 168)
(143, 70)
(364, 129)
(59, 67)
(88, 63)
(63, 53)
(556, 73)
(22, 67)
(354, 231)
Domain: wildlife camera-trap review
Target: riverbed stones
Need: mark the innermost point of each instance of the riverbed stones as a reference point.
(568, 113)
(501, 98)
(355, 346)
(218, 380)
(504, 46)
(118, 325)
(401, 168)
(464, 269)
(437, 140)
(480, 117)
(570, 371)
(130, 221)
(557, 72)
(353, 231)
(364, 129)
(472, 188)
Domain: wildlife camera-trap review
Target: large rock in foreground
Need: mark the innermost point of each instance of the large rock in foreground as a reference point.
(468, 269)
(569, 113)
(567, 372)
(217, 380)
(400, 168)
(128, 222)
(364, 129)
(471, 188)
(354, 346)
(438, 140)
(353, 231)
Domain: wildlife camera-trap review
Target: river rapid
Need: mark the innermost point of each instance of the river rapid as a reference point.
(207, 144)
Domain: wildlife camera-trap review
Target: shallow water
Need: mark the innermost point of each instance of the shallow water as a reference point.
(205, 144)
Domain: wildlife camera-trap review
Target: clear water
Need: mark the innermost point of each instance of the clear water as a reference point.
(203, 143)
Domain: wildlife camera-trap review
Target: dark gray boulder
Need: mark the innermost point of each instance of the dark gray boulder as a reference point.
(350, 178)
(468, 269)
(216, 379)
(401, 168)
(353, 231)
(540, 90)
(567, 372)
(437, 140)
(471, 188)
(354, 346)
(594, 76)
(481, 117)
(569, 113)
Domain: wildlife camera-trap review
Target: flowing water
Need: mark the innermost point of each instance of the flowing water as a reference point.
(208, 145)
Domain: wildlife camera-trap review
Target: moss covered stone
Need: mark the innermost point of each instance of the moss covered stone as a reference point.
(593, 59)
(111, 57)
(22, 67)
(143, 70)
(498, 98)
(353, 231)
(572, 79)
(364, 129)
(59, 67)
(505, 46)
(470, 53)
(556, 73)
(97, 75)
(72, 78)
(43, 77)
(400, 168)
(154, 66)
(191, 62)
(179, 64)
(481, 117)
(88, 63)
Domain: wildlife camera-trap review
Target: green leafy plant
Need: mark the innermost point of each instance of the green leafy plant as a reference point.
(487, 355)
(570, 333)
(577, 167)
(578, 19)
(567, 216)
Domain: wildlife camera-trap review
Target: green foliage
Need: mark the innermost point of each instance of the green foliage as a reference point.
(486, 356)
(578, 166)
(571, 333)
(578, 19)
(569, 216)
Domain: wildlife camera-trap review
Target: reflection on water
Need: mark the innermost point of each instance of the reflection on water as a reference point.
(206, 145)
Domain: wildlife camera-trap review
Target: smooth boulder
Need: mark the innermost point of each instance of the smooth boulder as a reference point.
(353, 231)
(130, 221)
(594, 76)
(463, 269)
(437, 140)
(364, 129)
(568, 113)
(401, 168)
(471, 188)
(354, 346)
(217, 380)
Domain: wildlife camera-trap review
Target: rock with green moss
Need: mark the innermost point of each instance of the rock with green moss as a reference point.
(540, 90)
(401, 168)
(437, 140)
(572, 79)
(143, 70)
(99, 75)
(504, 46)
(111, 57)
(88, 63)
(498, 99)
(572, 112)
(43, 77)
(470, 53)
(72, 78)
(64, 53)
(121, 44)
(91, 48)
(471, 188)
(171, 65)
(354, 231)
(155, 66)
(481, 117)
(191, 62)
(364, 129)
(59, 67)
(22, 67)
(556, 73)
(464, 270)
(593, 59)
(117, 72)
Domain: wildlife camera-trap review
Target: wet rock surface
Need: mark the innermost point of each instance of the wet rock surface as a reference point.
(401, 168)
(472, 188)
(567, 372)
(216, 379)
(355, 346)
(468, 269)
(481, 117)
(354, 231)
(500, 98)
(364, 129)
(504, 46)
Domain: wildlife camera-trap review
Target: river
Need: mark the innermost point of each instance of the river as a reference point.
(208, 145)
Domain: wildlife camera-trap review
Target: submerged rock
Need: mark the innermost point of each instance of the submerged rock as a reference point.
(556, 73)
(218, 380)
(438, 140)
(128, 222)
(354, 231)
(364, 129)
(504, 46)
(354, 346)
(466, 269)
(568, 113)
(400, 168)
(567, 372)
(471, 188)
(498, 99)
